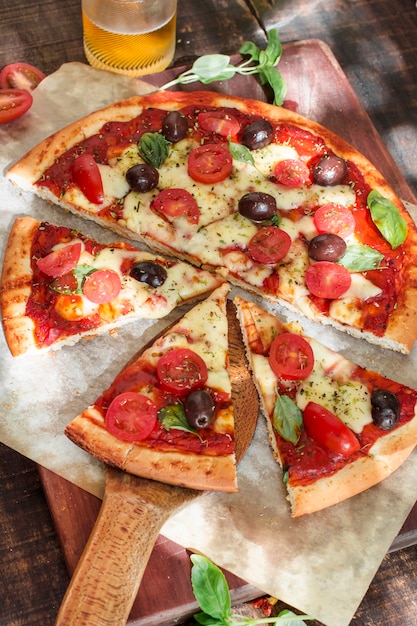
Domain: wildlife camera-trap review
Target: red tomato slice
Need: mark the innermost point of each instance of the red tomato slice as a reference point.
(336, 219)
(61, 261)
(180, 370)
(291, 357)
(326, 429)
(86, 174)
(13, 104)
(210, 163)
(269, 245)
(131, 416)
(102, 286)
(67, 283)
(177, 202)
(327, 280)
(20, 76)
(291, 173)
(218, 122)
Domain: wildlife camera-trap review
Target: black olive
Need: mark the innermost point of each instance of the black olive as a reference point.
(174, 126)
(142, 177)
(149, 272)
(385, 409)
(257, 206)
(330, 170)
(258, 135)
(199, 408)
(326, 247)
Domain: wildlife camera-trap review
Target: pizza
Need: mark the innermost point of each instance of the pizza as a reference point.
(335, 428)
(287, 209)
(168, 415)
(58, 286)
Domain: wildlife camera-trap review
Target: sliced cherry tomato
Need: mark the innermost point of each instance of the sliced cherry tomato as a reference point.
(291, 173)
(218, 122)
(86, 174)
(334, 218)
(327, 280)
(210, 163)
(291, 357)
(102, 286)
(177, 202)
(269, 245)
(67, 283)
(20, 76)
(131, 416)
(61, 261)
(13, 104)
(326, 429)
(180, 370)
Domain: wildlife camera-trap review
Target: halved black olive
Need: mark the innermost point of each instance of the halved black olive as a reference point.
(149, 272)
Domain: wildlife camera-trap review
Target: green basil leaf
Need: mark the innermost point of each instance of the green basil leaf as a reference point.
(207, 620)
(241, 153)
(250, 49)
(173, 416)
(153, 148)
(81, 272)
(210, 66)
(273, 50)
(273, 77)
(287, 618)
(287, 419)
(387, 219)
(359, 258)
(210, 589)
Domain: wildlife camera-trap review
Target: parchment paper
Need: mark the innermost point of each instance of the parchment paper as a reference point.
(321, 564)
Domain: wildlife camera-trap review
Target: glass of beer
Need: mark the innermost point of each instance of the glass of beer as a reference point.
(132, 37)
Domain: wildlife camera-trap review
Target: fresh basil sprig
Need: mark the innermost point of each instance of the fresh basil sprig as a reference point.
(213, 596)
(287, 419)
(387, 219)
(214, 67)
(173, 416)
(153, 148)
(360, 258)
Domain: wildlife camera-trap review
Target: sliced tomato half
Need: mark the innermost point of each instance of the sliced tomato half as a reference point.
(210, 163)
(20, 76)
(86, 175)
(327, 280)
(334, 218)
(177, 202)
(219, 122)
(326, 429)
(102, 286)
(131, 416)
(180, 370)
(291, 357)
(269, 245)
(291, 173)
(61, 261)
(13, 104)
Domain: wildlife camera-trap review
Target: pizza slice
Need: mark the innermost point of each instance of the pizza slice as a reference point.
(335, 428)
(168, 415)
(58, 286)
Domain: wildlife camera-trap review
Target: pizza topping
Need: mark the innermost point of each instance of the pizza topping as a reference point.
(181, 370)
(336, 219)
(387, 219)
(86, 175)
(326, 247)
(131, 416)
(13, 104)
(330, 170)
(269, 245)
(223, 124)
(20, 76)
(174, 126)
(153, 148)
(142, 177)
(327, 280)
(291, 357)
(291, 173)
(258, 134)
(287, 419)
(199, 408)
(257, 206)
(360, 258)
(385, 409)
(102, 286)
(210, 163)
(176, 202)
(61, 261)
(153, 274)
(328, 430)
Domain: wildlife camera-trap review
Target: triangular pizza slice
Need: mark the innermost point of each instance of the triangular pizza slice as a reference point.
(58, 286)
(335, 428)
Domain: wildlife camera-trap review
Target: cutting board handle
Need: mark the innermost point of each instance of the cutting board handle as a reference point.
(107, 578)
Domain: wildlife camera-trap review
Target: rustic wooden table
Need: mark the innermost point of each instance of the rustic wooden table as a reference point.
(375, 42)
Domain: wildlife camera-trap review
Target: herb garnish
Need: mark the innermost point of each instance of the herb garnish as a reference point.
(387, 219)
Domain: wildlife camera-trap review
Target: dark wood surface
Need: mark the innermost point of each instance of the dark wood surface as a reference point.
(375, 42)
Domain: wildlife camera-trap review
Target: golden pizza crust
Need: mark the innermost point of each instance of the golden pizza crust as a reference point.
(401, 331)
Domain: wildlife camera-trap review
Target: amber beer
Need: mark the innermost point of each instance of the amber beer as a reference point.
(132, 37)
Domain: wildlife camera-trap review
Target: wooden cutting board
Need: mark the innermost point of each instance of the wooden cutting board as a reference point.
(318, 89)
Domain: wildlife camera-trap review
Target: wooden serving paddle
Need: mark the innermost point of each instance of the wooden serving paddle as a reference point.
(107, 578)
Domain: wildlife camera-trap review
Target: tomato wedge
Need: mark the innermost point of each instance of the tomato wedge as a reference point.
(61, 261)
(102, 286)
(291, 357)
(13, 104)
(131, 416)
(327, 280)
(291, 173)
(334, 218)
(177, 202)
(269, 245)
(210, 163)
(218, 122)
(326, 429)
(86, 174)
(180, 370)
(20, 76)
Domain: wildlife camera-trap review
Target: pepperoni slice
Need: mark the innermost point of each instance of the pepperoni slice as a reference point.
(327, 280)
(61, 261)
(210, 163)
(102, 286)
(269, 245)
(180, 370)
(131, 416)
(291, 357)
